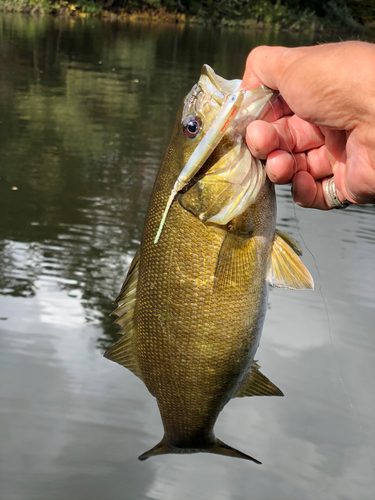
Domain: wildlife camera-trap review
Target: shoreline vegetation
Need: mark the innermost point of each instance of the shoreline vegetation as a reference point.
(348, 16)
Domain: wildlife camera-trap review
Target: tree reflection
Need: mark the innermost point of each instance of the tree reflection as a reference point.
(81, 139)
(86, 110)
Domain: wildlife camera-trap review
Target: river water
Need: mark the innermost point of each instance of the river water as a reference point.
(86, 109)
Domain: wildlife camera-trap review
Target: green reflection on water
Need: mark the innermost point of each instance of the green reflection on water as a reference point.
(86, 108)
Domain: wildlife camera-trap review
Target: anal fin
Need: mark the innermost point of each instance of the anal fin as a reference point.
(123, 353)
(256, 384)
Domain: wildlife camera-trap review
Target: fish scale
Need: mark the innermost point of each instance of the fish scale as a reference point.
(201, 292)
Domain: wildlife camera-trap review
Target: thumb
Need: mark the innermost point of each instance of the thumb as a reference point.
(265, 65)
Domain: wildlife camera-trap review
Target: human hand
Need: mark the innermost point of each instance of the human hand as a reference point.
(324, 123)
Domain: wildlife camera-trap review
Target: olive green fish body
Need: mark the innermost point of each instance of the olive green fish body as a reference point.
(193, 305)
(203, 338)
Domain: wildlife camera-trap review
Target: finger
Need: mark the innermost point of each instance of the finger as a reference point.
(250, 81)
(327, 192)
(354, 173)
(264, 64)
(278, 109)
(340, 177)
(262, 138)
(298, 135)
(308, 193)
(318, 163)
(282, 166)
(290, 133)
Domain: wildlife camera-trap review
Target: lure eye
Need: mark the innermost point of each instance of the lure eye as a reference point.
(192, 126)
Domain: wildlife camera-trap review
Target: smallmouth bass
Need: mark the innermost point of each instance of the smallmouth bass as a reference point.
(192, 306)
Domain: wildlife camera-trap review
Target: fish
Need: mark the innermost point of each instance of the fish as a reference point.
(193, 304)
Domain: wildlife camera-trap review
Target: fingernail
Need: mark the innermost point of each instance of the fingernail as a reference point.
(250, 142)
(270, 171)
(294, 192)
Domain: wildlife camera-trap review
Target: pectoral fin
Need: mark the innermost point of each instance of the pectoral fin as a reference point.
(236, 255)
(291, 241)
(286, 268)
(256, 384)
(123, 351)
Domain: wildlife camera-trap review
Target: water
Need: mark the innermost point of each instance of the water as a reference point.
(86, 109)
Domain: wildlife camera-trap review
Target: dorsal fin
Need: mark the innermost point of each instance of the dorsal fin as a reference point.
(256, 384)
(286, 268)
(123, 352)
(131, 278)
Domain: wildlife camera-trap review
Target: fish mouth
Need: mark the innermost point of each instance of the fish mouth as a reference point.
(226, 109)
(216, 86)
(229, 109)
(232, 101)
(211, 139)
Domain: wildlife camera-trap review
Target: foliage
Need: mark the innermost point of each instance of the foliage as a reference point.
(15, 5)
(339, 15)
(89, 6)
(362, 10)
(297, 15)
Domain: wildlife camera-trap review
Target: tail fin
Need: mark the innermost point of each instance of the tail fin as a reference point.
(217, 448)
(220, 448)
(162, 448)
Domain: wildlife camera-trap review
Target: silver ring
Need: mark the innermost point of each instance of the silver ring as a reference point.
(331, 195)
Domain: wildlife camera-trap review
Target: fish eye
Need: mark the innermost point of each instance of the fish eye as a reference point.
(192, 126)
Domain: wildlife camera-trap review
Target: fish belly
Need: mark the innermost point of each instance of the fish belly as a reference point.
(195, 343)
